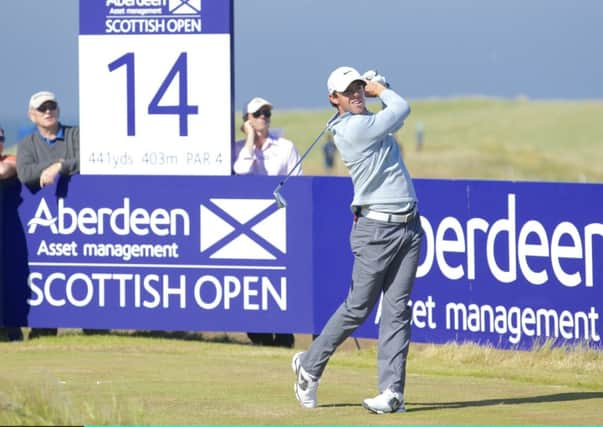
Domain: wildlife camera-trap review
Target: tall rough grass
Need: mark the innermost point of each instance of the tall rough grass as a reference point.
(48, 405)
(569, 364)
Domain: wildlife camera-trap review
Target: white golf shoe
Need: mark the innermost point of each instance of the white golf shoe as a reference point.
(305, 385)
(386, 402)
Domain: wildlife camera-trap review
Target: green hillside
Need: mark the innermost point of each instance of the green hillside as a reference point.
(478, 138)
(482, 138)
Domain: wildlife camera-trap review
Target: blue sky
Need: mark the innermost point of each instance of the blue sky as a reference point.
(284, 49)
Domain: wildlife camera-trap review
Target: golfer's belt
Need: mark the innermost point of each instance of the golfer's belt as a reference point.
(389, 217)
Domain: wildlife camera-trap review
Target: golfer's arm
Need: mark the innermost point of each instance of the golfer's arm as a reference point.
(395, 111)
(371, 128)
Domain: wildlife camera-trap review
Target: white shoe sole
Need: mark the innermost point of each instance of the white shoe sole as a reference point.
(380, 412)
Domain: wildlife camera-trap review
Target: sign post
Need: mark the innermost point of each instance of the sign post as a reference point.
(155, 87)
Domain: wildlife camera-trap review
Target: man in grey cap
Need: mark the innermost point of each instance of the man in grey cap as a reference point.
(385, 238)
(52, 150)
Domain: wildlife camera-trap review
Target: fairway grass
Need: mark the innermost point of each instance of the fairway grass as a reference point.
(76, 379)
(118, 379)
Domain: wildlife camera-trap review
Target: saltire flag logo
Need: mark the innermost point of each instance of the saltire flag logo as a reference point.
(252, 229)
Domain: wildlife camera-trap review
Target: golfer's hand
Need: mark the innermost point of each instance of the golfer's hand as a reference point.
(375, 76)
(50, 173)
(373, 89)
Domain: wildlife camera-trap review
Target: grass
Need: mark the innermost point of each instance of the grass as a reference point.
(75, 379)
(107, 379)
(48, 404)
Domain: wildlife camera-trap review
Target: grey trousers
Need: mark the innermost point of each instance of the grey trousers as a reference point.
(386, 256)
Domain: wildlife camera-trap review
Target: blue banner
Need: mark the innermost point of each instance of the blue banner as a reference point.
(503, 263)
(510, 263)
(118, 17)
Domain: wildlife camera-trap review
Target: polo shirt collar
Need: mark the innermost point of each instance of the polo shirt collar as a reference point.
(60, 135)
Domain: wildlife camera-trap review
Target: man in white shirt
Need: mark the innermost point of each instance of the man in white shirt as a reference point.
(262, 152)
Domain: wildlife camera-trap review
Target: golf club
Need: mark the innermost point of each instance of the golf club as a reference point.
(280, 200)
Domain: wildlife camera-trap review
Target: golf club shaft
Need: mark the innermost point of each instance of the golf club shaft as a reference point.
(301, 159)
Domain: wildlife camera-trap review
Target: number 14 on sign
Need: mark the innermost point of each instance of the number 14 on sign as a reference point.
(182, 109)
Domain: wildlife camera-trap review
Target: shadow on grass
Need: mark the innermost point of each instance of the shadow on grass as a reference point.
(558, 397)
(180, 335)
(339, 405)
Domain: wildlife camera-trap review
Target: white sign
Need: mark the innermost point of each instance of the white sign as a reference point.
(155, 93)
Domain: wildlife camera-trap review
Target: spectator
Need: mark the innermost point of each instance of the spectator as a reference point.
(8, 163)
(264, 153)
(52, 150)
(8, 170)
(328, 150)
(420, 135)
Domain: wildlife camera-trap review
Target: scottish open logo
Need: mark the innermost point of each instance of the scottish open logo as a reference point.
(153, 17)
(252, 229)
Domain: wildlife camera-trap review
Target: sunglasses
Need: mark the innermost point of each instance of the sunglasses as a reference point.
(265, 112)
(47, 106)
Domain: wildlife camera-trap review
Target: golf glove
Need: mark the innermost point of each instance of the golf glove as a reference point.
(374, 75)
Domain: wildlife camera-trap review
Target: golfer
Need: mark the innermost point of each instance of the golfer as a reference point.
(385, 239)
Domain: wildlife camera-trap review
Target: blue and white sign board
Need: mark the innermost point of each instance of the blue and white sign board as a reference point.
(212, 258)
(155, 87)
(502, 263)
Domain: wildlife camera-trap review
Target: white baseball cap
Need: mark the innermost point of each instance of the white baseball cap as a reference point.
(255, 104)
(341, 78)
(40, 98)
